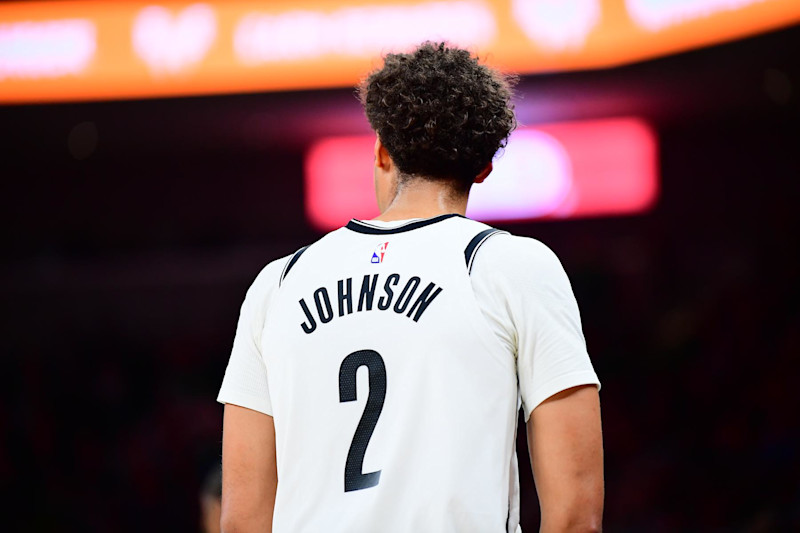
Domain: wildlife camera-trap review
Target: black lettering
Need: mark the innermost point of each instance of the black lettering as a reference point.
(384, 302)
(312, 324)
(424, 301)
(367, 292)
(346, 296)
(407, 293)
(327, 315)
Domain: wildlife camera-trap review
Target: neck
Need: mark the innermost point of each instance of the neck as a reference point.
(421, 198)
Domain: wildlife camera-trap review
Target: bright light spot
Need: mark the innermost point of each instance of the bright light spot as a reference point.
(47, 49)
(531, 179)
(655, 15)
(361, 31)
(170, 44)
(557, 24)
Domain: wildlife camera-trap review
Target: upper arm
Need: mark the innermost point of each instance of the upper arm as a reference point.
(249, 470)
(557, 383)
(246, 380)
(566, 450)
(526, 290)
(551, 349)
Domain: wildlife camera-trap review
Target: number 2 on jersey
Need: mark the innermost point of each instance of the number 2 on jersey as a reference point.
(354, 479)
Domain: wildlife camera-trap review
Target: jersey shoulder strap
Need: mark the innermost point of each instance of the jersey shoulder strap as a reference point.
(474, 245)
(296, 256)
(290, 263)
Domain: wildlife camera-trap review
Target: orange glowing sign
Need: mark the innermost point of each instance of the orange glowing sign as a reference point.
(84, 50)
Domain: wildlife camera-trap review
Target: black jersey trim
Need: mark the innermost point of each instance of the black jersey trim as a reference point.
(363, 227)
(291, 263)
(474, 245)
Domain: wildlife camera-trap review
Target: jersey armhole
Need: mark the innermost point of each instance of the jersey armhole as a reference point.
(474, 245)
(290, 263)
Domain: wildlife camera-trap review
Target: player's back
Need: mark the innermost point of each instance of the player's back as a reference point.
(394, 403)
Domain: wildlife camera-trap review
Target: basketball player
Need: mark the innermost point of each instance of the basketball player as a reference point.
(376, 375)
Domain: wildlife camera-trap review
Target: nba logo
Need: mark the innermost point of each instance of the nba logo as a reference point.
(380, 251)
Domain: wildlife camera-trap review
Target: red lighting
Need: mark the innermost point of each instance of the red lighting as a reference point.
(563, 170)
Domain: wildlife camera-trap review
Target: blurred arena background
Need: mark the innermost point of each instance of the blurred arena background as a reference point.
(153, 157)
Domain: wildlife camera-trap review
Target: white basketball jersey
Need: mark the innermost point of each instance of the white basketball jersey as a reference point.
(395, 405)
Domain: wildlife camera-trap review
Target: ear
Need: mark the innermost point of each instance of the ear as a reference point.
(484, 173)
(382, 159)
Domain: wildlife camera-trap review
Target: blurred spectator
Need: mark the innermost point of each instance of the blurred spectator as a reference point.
(211, 501)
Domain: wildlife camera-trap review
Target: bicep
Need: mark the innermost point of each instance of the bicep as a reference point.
(566, 450)
(249, 469)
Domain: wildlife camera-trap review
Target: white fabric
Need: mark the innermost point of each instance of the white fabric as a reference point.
(525, 294)
(445, 438)
(245, 383)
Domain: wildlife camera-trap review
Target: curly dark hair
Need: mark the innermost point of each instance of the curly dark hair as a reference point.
(439, 112)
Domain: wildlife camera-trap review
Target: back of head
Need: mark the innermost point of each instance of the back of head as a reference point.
(439, 112)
